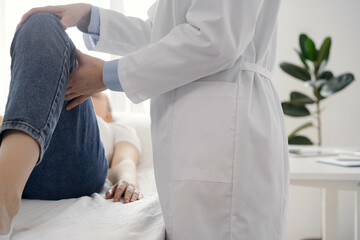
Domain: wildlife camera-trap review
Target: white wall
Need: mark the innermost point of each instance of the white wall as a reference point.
(339, 19)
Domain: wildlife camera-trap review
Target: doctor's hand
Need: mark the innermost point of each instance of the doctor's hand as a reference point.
(85, 81)
(123, 187)
(70, 15)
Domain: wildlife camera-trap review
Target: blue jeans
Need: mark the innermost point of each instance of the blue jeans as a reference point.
(72, 161)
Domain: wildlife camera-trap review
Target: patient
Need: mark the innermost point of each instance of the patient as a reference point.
(122, 148)
(47, 152)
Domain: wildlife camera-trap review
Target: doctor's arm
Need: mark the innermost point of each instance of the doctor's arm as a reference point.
(123, 34)
(123, 173)
(214, 35)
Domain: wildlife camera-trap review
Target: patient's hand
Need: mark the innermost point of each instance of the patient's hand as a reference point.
(123, 173)
(126, 189)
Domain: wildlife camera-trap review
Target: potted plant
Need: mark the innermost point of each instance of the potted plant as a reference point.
(323, 83)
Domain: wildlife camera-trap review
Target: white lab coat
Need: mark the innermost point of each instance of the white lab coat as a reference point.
(219, 142)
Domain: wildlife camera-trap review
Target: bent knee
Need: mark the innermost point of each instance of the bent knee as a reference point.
(42, 20)
(40, 29)
(40, 25)
(42, 17)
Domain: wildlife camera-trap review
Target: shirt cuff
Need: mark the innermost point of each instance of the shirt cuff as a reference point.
(94, 25)
(110, 76)
(92, 36)
(90, 40)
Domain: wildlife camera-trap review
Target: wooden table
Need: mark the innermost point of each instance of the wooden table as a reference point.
(306, 171)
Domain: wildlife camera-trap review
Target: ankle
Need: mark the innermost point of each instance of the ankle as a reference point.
(9, 207)
(11, 199)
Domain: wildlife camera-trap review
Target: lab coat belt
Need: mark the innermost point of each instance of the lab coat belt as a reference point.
(253, 67)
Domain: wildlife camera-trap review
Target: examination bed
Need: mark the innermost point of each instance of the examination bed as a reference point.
(89, 218)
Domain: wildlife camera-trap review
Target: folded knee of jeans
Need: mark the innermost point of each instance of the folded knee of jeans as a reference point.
(40, 25)
(40, 30)
(42, 18)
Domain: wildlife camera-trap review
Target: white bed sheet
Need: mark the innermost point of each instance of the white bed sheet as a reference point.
(94, 218)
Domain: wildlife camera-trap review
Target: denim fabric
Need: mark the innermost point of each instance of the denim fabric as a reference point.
(72, 161)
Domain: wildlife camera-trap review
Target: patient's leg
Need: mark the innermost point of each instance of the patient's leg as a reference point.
(36, 125)
(16, 165)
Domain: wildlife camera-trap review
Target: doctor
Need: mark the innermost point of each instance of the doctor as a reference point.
(220, 149)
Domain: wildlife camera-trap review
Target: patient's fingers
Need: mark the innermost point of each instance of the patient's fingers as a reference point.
(119, 191)
(110, 193)
(128, 193)
(135, 196)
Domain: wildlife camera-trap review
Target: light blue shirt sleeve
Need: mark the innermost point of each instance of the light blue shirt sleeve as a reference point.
(92, 36)
(110, 76)
(94, 25)
(110, 73)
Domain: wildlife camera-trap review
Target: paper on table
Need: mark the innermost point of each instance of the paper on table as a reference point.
(299, 152)
(345, 162)
(348, 153)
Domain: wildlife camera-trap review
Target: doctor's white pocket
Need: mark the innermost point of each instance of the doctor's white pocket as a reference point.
(203, 133)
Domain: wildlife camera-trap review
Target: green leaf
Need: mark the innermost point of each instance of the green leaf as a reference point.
(302, 127)
(326, 75)
(303, 60)
(336, 84)
(300, 140)
(296, 71)
(300, 98)
(320, 69)
(294, 110)
(323, 55)
(307, 47)
(302, 43)
(317, 84)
